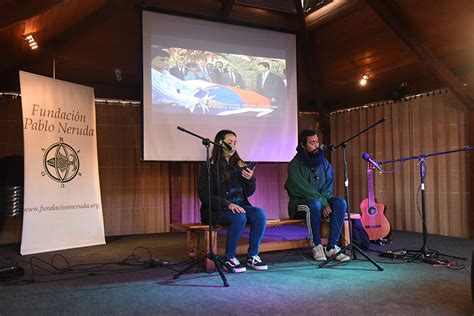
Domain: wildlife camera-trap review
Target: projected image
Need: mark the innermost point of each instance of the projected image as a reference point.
(211, 83)
(206, 76)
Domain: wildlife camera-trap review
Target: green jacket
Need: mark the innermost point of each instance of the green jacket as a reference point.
(302, 183)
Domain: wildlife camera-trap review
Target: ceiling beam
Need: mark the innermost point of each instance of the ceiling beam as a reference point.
(88, 23)
(15, 12)
(301, 17)
(51, 48)
(226, 7)
(405, 34)
(332, 11)
(310, 59)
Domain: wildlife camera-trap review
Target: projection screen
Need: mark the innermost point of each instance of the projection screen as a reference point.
(206, 76)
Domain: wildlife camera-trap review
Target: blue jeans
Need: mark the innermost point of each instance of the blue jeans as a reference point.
(338, 206)
(253, 216)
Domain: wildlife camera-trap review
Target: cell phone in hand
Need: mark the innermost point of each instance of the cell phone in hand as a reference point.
(251, 165)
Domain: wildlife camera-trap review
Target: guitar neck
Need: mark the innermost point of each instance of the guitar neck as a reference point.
(370, 185)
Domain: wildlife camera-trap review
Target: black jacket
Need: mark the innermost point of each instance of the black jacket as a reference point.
(221, 193)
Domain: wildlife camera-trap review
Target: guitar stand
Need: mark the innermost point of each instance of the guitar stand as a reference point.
(425, 254)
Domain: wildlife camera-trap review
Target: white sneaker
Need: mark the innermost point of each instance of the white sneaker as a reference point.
(318, 253)
(341, 257)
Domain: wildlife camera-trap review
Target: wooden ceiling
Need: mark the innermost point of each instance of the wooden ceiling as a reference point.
(427, 44)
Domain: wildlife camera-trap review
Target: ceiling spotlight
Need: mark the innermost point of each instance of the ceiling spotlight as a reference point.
(363, 80)
(31, 41)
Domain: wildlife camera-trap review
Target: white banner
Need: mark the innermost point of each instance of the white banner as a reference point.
(62, 204)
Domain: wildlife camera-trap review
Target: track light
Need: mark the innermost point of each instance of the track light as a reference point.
(31, 41)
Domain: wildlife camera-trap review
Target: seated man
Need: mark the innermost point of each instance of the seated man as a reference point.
(311, 182)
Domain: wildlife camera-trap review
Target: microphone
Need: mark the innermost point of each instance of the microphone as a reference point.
(374, 163)
(226, 146)
(326, 147)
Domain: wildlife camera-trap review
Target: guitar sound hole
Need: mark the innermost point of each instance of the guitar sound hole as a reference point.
(372, 211)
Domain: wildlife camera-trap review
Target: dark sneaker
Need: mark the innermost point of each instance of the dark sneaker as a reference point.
(256, 263)
(236, 265)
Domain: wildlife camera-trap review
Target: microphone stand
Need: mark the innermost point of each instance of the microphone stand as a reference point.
(218, 262)
(351, 246)
(425, 254)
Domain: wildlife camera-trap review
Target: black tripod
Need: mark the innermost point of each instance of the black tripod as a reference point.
(218, 262)
(425, 254)
(351, 247)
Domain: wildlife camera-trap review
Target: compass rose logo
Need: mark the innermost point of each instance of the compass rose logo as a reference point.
(61, 162)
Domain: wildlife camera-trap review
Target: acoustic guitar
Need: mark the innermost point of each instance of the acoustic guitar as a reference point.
(373, 218)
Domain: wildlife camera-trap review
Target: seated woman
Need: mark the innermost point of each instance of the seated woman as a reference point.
(232, 182)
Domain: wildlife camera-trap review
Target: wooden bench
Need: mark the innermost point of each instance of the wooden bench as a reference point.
(197, 251)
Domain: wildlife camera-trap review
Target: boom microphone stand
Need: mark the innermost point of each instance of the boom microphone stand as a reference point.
(425, 254)
(218, 262)
(351, 246)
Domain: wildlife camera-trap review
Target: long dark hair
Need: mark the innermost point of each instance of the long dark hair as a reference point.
(218, 153)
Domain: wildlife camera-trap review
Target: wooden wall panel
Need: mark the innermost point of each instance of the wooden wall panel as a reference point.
(470, 167)
(139, 197)
(184, 199)
(11, 143)
(135, 194)
(145, 197)
(11, 133)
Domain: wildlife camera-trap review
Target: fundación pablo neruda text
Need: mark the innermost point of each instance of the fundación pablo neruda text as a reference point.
(67, 122)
